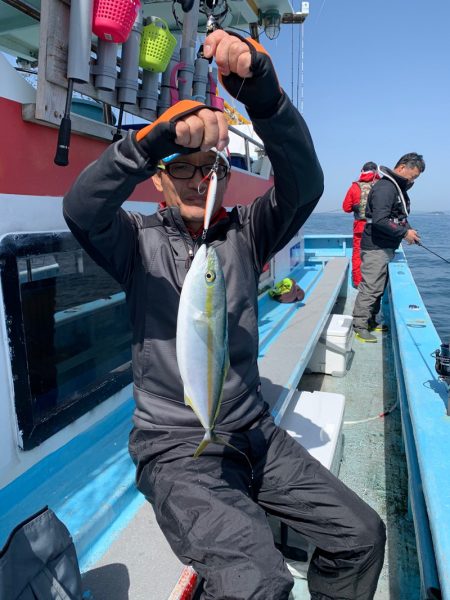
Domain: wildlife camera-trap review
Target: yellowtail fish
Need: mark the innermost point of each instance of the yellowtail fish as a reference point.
(202, 340)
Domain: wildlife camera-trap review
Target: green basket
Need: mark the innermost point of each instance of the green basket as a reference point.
(157, 46)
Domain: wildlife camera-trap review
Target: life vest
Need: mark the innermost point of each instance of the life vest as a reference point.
(360, 211)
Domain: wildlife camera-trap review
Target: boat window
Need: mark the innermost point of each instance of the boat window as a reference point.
(68, 329)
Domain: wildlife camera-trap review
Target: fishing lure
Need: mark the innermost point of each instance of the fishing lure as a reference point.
(211, 194)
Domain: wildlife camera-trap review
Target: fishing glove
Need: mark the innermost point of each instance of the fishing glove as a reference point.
(260, 93)
(156, 141)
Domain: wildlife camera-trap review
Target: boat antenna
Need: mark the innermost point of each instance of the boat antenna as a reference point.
(301, 67)
(432, 252)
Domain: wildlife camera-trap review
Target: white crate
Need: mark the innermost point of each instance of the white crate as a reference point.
(314, 420)
(333, 350)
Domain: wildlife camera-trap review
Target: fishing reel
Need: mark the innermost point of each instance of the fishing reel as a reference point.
(442, 365)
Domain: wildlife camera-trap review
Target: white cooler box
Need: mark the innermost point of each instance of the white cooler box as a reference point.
(333, 349)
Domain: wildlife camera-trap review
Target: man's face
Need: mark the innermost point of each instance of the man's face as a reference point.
(182, 191)
(410, 174)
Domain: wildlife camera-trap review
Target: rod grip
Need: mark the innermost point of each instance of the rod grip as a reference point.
(62, 149)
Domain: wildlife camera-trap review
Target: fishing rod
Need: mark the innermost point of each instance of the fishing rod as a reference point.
(432, 252)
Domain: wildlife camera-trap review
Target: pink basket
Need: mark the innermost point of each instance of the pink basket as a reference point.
(113, 19)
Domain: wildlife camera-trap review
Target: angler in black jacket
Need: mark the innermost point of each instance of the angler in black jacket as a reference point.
(211, 510)
(387, 212)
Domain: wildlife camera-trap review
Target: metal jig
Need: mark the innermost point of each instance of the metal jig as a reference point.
(211, 195)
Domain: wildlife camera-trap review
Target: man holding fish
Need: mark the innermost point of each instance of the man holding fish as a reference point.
(190, 273)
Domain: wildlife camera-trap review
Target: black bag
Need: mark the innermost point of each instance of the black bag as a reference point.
(39, 561)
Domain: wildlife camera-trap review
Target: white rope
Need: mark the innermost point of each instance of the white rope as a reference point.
(376, 417)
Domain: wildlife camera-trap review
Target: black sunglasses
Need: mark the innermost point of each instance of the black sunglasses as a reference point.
(187, 170)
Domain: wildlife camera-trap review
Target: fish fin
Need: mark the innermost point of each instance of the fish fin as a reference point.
(205, 441)
(225, 371)
(188, 401)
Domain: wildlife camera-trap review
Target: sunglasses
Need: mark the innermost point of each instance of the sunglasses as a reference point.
(188, 170)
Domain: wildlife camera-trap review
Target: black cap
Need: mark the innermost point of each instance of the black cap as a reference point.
(369, 166)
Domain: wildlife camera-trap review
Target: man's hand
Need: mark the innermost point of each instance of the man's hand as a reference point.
(203, 129)
(232, 55)
(186, 126)
(245, 71)
(412, 237)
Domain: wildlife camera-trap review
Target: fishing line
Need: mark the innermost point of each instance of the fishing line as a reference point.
(320, 11)
(220, 440)
(432, 252)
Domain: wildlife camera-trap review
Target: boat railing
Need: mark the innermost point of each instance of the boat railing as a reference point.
(247, 141)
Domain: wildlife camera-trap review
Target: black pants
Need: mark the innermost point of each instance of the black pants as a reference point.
(212, 512)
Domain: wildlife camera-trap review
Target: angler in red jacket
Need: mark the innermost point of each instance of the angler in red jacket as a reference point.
(355, 201)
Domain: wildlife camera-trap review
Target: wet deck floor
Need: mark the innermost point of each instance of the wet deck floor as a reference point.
(374, 463)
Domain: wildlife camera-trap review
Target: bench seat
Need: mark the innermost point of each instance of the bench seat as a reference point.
(283, 361)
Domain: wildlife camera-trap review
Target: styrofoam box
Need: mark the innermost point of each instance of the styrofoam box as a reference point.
(332, 352)
(314, 420)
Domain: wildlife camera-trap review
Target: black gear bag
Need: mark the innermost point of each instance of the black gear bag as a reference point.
(39, 561)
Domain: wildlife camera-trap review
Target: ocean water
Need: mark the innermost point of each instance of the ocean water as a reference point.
(431, 274)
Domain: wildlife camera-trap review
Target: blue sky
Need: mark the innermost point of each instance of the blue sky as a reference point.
(376, 85)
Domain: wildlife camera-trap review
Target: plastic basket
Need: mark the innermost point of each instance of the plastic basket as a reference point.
(157, 46)
(114, 19)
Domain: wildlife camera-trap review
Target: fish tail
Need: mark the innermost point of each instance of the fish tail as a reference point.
(205, 441)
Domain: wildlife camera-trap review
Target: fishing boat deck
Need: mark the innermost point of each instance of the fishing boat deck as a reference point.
(374, 462)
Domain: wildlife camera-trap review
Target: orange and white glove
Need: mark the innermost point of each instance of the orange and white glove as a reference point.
(245, 71)
(187, 126)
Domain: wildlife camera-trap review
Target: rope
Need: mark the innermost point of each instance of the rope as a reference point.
(375, 418)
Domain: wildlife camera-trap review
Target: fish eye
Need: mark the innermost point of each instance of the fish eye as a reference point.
(210, 276)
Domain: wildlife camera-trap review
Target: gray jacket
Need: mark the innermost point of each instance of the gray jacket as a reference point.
(149, 257)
